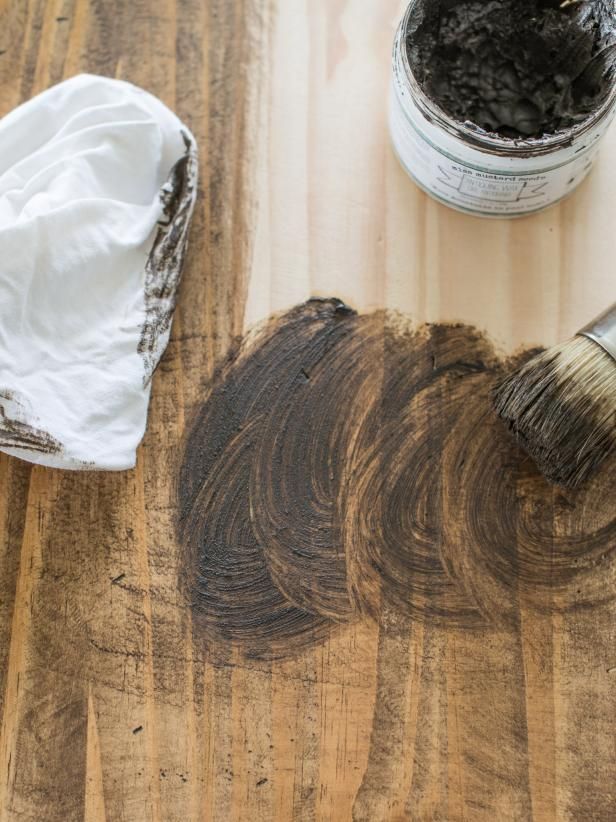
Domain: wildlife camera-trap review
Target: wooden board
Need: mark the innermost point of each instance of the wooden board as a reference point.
(109, 708)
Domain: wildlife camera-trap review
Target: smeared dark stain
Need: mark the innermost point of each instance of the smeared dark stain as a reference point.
(15, 433)
(299, 470)
(163, 269)
(227, 577)
(499, 539)
(341, 461)
(392, 503)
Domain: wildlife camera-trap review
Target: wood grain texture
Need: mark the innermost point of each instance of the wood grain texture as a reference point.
(111, 708)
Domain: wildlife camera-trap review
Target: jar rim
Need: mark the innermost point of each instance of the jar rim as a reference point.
(489, 141)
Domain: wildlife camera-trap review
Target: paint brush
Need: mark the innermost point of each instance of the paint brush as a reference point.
(561, 405)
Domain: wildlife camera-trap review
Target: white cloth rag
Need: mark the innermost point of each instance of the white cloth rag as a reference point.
(97, 185)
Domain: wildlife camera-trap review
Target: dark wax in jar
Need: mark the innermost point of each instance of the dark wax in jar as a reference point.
(517, 68)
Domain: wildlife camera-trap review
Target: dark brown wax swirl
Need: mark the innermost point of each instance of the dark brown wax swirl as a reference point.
(343, 461)
(299, 472)
(226, 575)
(393, 500)
(524, 541)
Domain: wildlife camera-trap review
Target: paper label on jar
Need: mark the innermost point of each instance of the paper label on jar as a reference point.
(467, 187)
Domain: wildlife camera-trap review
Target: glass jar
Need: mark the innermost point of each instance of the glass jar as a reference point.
(478, 172)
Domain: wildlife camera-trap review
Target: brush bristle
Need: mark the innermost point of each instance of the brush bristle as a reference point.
(561, 406)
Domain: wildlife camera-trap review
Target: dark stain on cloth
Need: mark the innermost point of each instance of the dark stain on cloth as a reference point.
(14, 433)
(340, 461)
(163, 268)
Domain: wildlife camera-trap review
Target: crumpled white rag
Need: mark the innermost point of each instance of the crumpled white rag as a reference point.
(97, 187)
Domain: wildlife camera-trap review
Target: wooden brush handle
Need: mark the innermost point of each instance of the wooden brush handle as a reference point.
(603, 331)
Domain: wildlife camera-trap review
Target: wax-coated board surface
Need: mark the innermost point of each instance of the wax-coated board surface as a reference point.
(112, 705)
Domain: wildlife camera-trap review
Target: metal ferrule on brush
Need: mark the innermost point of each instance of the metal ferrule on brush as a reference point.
(603, 331)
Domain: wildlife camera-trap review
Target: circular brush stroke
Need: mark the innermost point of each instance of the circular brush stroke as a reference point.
(225, 573)
(232, 594)
(511, 538)
(300, 464)
(393, 498)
